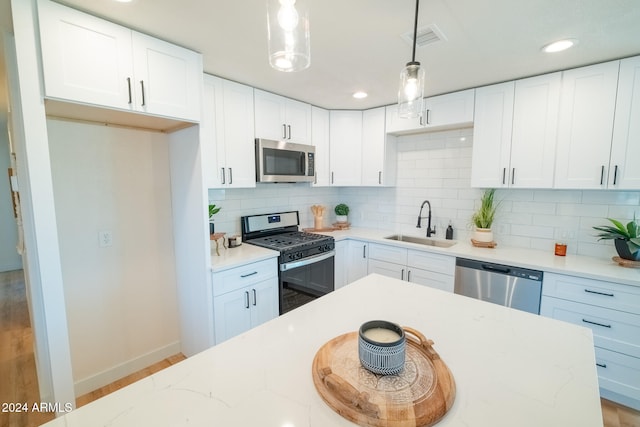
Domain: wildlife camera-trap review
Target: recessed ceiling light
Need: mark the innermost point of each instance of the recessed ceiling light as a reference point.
(360, 95)
(559, 45)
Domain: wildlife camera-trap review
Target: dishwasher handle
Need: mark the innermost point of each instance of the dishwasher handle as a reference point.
(496, 269)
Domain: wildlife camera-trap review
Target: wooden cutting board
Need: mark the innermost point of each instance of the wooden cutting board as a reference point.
(419, 396)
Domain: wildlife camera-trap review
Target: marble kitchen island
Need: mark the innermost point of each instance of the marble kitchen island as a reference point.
(511, 368)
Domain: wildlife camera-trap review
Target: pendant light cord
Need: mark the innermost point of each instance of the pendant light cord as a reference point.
(415, 32)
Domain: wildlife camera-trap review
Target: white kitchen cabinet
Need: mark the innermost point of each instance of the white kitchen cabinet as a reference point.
(612, 311)
(420, 267)
(515, 133)
(379, 154)
(226, 134)
(340, 263)
(585, 127)
(281, 119)
(492, 135)
(320, 140)
(449, 111)
(92, 61)
(357, 260)
(624, 173)
(244, 297)
(345, 152)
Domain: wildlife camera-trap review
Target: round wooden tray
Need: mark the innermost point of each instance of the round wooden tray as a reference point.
(419, 396)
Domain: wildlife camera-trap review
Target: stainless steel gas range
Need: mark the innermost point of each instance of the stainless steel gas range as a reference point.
(306, 261)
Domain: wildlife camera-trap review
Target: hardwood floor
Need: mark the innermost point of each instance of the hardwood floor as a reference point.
(18, 381)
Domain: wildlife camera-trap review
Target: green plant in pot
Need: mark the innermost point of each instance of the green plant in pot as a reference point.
(342, 211)
(625, 238)
(213, 209)
(483, 217)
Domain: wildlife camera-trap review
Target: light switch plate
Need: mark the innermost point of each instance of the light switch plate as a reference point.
(105, 239)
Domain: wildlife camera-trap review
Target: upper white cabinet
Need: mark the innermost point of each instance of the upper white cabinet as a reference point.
(515, 133)
(281, 119)
(92, 61)
(226, 134)
(587, 109)
(345, 136)
(492, 135)
(452, 110)
(378, 150)
(625, 149)
(320, 140)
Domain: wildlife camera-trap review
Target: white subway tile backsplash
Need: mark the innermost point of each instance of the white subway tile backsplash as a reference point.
(437, 167)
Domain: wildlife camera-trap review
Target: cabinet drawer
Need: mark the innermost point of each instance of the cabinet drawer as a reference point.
(440, 281)
(613, 330)
(595, 292)
(388, 253)
(618, 373)
(437, 263)
(239, 277)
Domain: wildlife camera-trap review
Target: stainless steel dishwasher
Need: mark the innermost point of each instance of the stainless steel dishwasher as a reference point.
(513, 287)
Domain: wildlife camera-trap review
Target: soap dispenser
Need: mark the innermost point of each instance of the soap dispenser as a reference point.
(449, 233)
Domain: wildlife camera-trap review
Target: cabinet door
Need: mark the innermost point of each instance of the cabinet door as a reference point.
(586, 122)
(298, 120)
(340, 264)
(320, 139)
(357, 260)
(345, 135)
(492, 135)
(232, 314)
(240, 171)
(374, 155)
(399, 126)
(388, 253)
(535, 124)
(452, 110)
(168, 78)
(388, 269)
(429, 278)
(270, 116)
(84, 58)
(625, 151)
(212, 151)
(264, 301)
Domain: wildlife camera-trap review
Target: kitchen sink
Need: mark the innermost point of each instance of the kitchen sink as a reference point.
(422, 241)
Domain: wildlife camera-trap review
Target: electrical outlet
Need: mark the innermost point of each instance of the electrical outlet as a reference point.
(105, 239)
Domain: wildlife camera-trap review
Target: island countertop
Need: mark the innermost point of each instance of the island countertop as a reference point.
(511, 368)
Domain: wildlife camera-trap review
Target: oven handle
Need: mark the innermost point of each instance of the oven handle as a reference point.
(306, 261)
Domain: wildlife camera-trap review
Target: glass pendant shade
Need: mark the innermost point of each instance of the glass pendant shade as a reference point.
(288, 34)
(411, 91)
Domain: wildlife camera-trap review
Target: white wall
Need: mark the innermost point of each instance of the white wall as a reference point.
(9, 258)
(437, 167)
(121, 300)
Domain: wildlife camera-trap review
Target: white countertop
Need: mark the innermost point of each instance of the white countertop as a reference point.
(511, 368)
(576, 265)
(241, 255)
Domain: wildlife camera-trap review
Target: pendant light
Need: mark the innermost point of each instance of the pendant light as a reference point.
(411, 91)
(288, 34)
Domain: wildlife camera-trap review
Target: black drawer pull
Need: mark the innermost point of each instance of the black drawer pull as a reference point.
(601, 365)
(596, 323)
(589, 291)
(249, 274)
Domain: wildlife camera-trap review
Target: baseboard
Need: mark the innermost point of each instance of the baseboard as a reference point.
(93, 382)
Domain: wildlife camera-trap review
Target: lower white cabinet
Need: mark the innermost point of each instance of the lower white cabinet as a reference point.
(421, 267)
(357, 257)
(612, 312)
(340, 264)
(244, 297)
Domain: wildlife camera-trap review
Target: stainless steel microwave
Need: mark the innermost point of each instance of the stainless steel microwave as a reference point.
(280, 161)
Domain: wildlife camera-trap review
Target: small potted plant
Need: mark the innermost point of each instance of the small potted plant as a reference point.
(484, 216)
(342, 211)
(213, 209)
(626, 239)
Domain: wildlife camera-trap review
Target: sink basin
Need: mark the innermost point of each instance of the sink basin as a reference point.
(422, 240)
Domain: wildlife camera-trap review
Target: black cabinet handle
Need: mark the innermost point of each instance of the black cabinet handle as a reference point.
(402, 274)
(513, 176)
(249, 274)
(379, 177)
(230, 176)
(284, 131)
(255, 297)
(289, 129)
(602, 175)
(596, 323)
(601, 365)
(332, 177)
(246, 294)
(142, 86)
(129, 87)
(364, 251)
(589, 291)
(615, 175)
(504, 175)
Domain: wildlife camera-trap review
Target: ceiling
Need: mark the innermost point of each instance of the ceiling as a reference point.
(357, 44)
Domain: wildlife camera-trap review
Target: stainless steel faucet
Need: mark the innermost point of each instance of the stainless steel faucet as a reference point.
(430, 231)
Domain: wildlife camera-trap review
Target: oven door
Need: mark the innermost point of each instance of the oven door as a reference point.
(305, 280)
